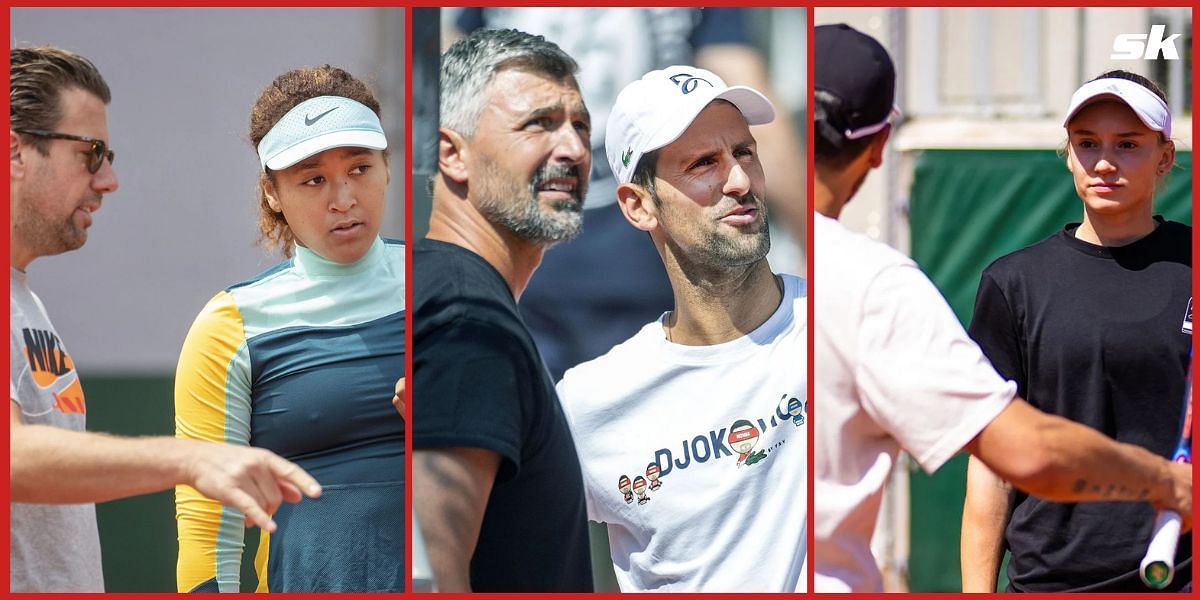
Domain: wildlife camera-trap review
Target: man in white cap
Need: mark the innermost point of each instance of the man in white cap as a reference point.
(60, 168)
(718, 371)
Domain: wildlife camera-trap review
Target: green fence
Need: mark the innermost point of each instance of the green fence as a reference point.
(137, 535)
(968, 208)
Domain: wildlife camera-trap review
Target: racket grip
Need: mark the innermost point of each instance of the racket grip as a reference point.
(1158, 566)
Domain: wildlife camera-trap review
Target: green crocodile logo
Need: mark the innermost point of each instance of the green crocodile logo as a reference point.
(626, 156)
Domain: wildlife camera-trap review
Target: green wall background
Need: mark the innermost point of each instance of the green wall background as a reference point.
(968, 208)
(137, 535)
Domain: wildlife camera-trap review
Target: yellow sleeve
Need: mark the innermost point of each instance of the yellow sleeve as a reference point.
(212, 402)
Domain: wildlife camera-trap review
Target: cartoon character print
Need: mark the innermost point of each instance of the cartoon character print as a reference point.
(742, 439)
(743, 436)
(639, 488)
(795, 409)
(625, 487)
(652, 471)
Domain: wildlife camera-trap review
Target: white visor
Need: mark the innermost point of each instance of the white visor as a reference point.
(1148, 107)
(316, 125)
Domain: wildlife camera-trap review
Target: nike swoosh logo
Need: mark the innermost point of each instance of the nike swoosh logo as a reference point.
(308, 121)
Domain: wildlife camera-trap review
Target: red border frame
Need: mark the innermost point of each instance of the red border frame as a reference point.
(809, 272)
(408, 296)
(407, 6)
(1195, 283)
(7, 426)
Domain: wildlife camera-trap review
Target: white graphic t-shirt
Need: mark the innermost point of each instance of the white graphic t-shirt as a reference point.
(695, 456)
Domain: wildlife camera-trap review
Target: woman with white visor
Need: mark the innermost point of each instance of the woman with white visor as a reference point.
(304, 358)
(1093, 324)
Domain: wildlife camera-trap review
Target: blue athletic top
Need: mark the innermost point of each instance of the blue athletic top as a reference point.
(302, 360)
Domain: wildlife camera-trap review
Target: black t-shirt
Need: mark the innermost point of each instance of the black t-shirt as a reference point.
(1100, 336)
(478, 382)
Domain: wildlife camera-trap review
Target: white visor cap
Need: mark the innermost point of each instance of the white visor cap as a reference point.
(316, 125)
(656, 109)
(1148, 107)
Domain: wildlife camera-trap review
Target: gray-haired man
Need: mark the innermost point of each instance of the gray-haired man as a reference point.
(497, 486)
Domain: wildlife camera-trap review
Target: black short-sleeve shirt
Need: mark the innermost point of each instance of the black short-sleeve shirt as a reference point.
(1099, 335)
(479, 382)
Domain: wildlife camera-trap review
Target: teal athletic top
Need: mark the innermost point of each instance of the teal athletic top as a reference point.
(302, 360)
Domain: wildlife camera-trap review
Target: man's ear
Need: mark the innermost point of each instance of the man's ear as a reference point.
(638, 206)
(452, 156)
(269, 193)
(16, 160)
(878, 145)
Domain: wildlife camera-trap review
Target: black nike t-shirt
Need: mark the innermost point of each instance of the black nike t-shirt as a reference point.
(479, 382)
(1099, 335)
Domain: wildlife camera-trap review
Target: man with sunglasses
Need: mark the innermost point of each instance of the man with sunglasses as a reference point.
(97, 152)
(60, 168)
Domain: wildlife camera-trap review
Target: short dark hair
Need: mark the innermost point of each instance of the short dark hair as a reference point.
(37, 78)
(831, 146)
(645, 172)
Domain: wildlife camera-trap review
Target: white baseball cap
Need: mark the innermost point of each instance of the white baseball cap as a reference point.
(1148, 107)
(656, 109)
(316, 125)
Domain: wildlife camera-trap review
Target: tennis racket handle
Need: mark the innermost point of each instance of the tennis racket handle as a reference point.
(1160, 554)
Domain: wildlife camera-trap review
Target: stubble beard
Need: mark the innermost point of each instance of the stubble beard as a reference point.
(500, 197)
(45, 236)
(724, 249)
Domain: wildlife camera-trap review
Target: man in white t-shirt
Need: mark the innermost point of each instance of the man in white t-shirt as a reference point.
(689, 433)
(894, 368)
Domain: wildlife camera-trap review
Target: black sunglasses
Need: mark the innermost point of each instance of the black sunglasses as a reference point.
(100, 150)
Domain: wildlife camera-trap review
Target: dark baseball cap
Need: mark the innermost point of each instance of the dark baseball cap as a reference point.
(855, 68)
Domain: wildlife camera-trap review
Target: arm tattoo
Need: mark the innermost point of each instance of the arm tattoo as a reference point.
(1112, 492)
